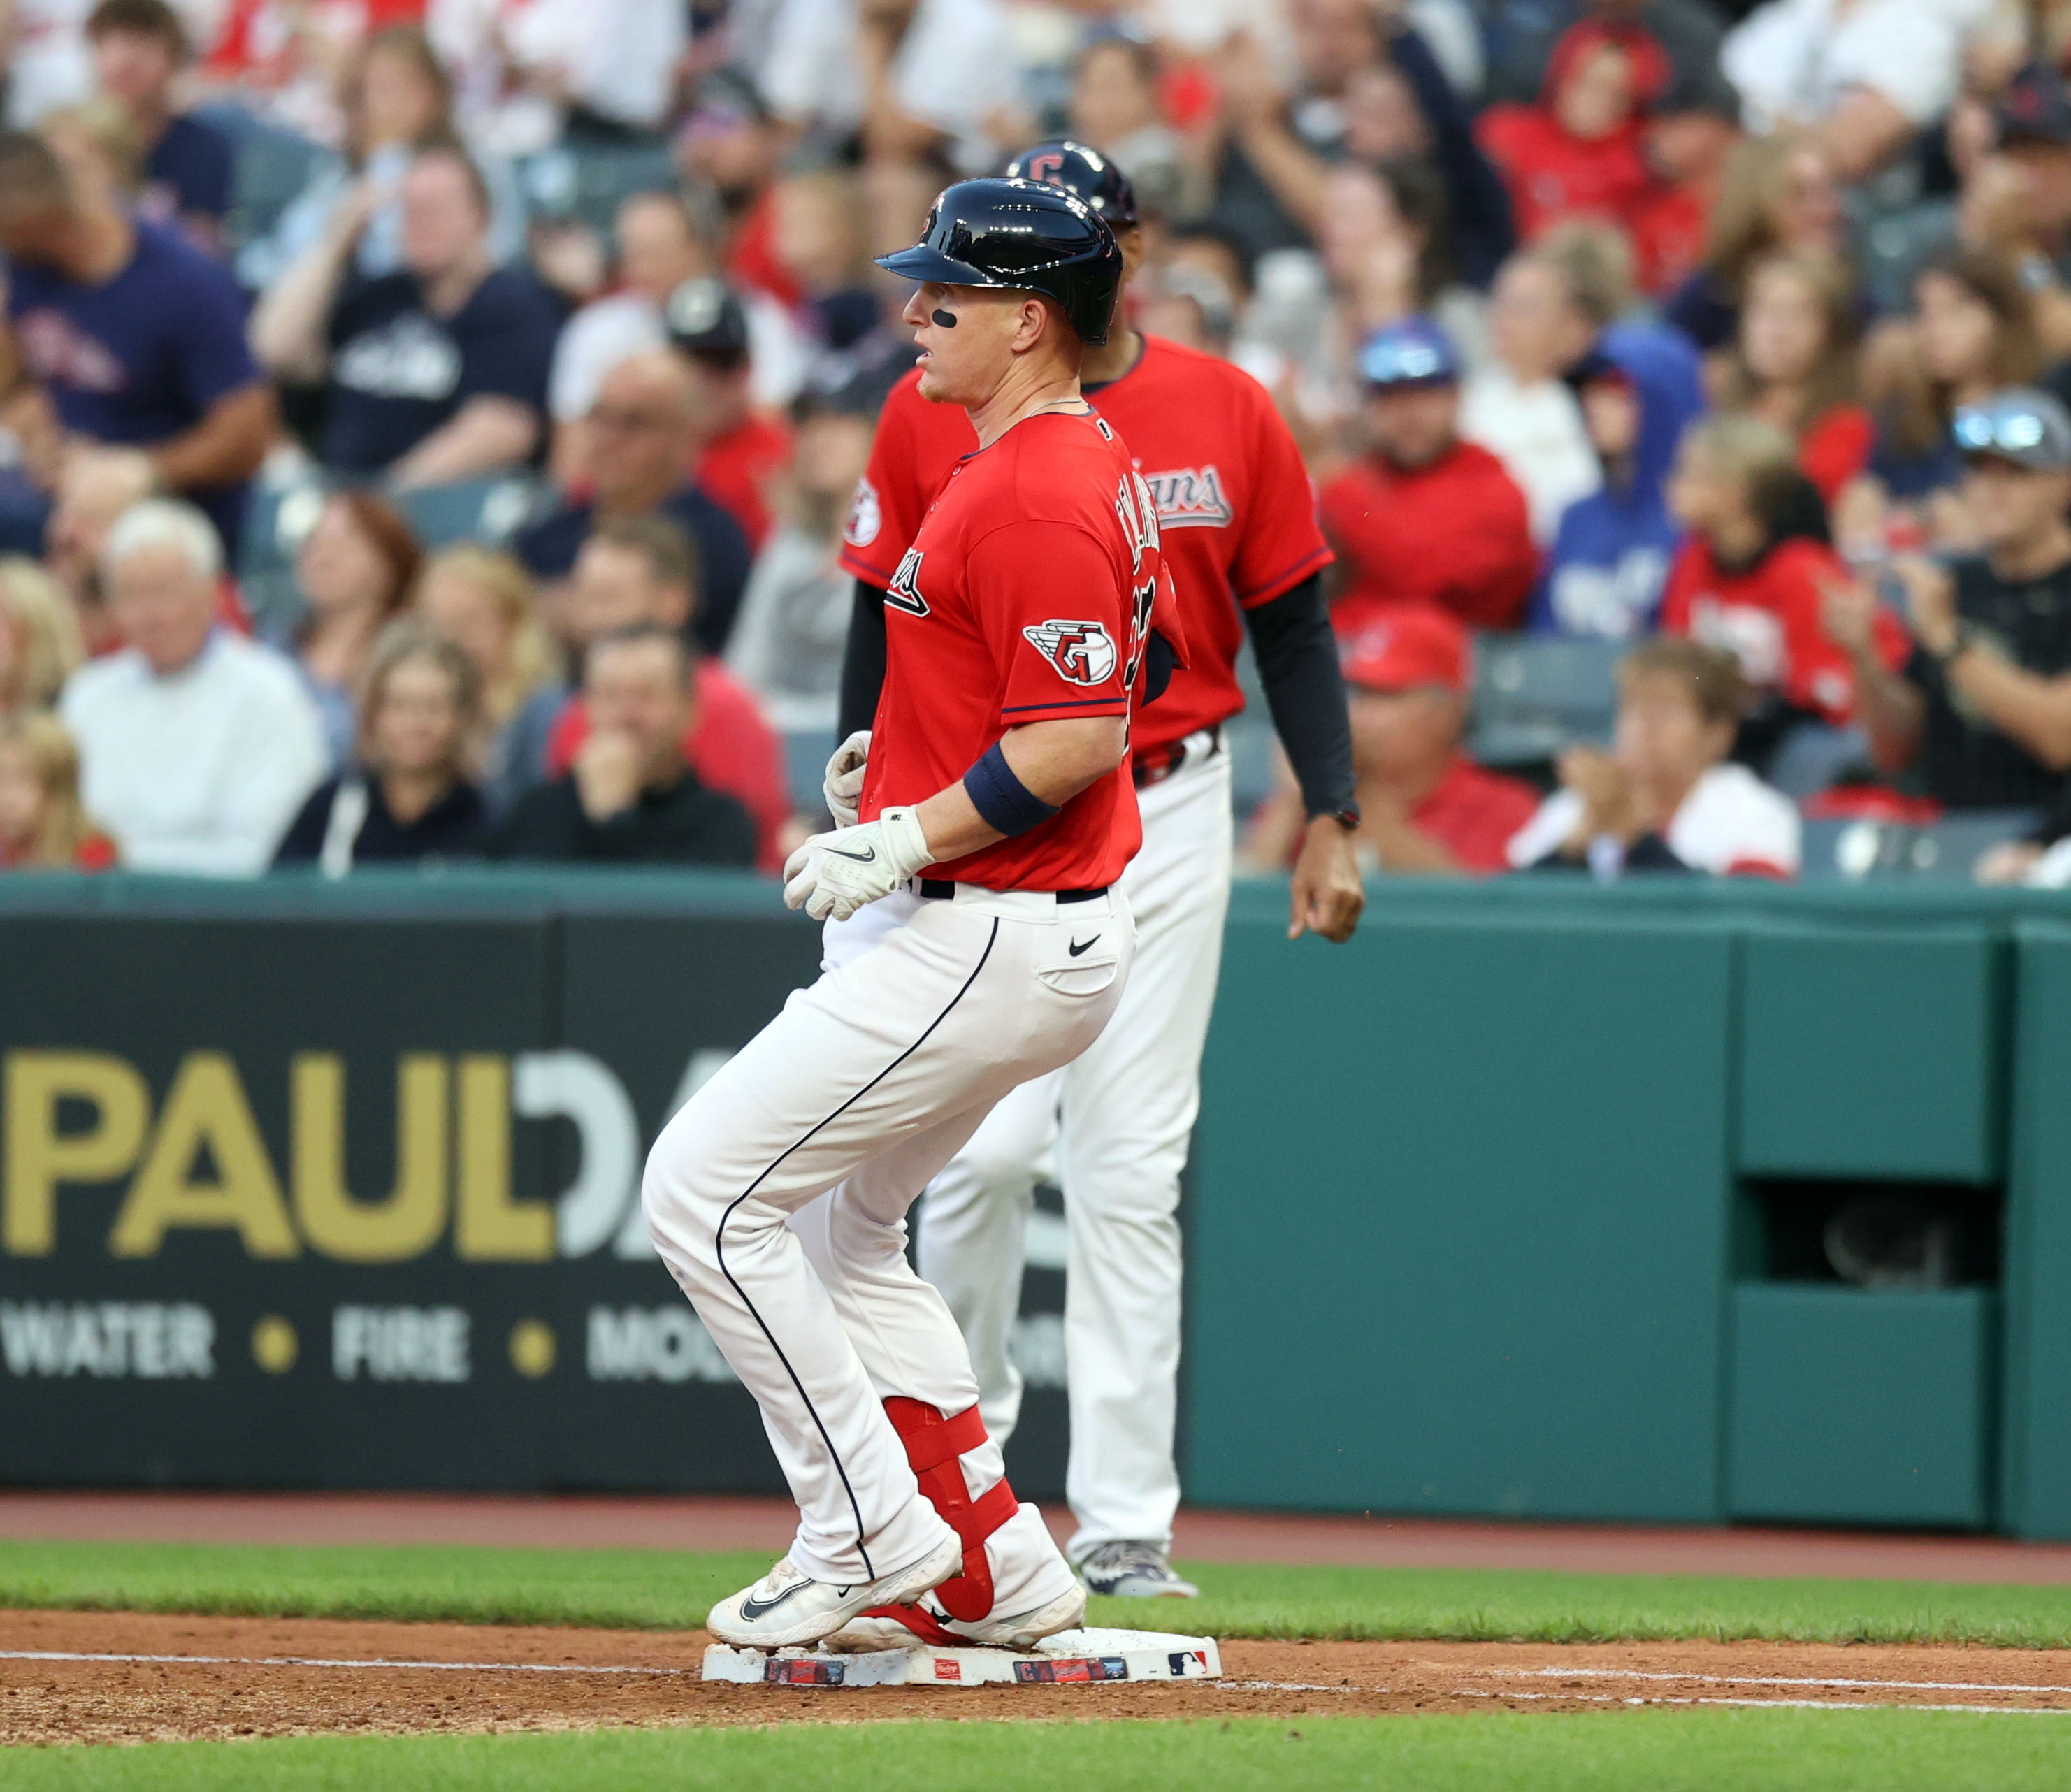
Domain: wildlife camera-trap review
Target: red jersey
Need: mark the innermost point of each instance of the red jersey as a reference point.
(729, 746)
(737, 468)
(1025, 597)
(1473, 814)
(1768, 614)
(1552, 176)
(1236, 517)
(1453, 534)
(1668, 237)
(1835, 446)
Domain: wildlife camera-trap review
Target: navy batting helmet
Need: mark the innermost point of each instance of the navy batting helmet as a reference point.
(1087, 172)
(1024, 235)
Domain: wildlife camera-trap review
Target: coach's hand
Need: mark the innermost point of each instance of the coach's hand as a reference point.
(833, 874)
(1328, 893)
(843, 787)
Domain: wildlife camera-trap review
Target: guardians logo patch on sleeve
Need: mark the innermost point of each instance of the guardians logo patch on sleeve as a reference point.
(1080, 652)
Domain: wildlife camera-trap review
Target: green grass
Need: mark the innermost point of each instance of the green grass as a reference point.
(659, 1590)
(1693, 1751)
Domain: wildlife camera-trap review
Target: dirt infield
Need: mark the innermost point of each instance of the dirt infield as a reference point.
(121, 1677)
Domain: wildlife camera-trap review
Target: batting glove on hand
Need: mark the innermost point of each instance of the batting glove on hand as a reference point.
(833, 874)
(843, 788)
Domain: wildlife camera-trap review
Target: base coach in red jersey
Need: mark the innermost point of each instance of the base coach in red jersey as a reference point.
(975, 940)
(1239, 537)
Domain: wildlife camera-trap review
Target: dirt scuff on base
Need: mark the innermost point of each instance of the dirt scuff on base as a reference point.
(329, 1687)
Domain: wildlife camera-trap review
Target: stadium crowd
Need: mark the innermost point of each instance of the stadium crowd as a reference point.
(427, 427)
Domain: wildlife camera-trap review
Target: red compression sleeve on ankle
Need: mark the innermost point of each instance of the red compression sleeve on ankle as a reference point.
(934, 1445)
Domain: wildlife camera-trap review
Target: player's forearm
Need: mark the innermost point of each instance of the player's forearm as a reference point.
(1052, 762)
(1298, 663)
(224, 447)
(1863, 132)
(485, 436)
(863, 660)
(287, 328)
(2036, 711)
(1891, 710)
(1294, 177)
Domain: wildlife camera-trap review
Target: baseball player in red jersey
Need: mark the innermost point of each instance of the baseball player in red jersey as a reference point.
(1239, 533)
(974, 942)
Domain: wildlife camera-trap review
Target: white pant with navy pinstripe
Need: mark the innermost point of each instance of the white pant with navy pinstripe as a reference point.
(926, 1013)
(1120, 1118)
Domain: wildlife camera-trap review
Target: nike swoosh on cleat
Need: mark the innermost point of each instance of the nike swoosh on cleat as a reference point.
(1078, 946)
(865, 857)
(752, 1607)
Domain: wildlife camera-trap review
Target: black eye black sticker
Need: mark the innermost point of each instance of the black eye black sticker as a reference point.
(946, 319)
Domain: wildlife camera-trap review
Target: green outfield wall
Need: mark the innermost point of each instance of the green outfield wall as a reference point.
(1526, 1202)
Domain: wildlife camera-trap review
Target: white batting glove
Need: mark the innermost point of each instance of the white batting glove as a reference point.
(833, 874)
(843, 788)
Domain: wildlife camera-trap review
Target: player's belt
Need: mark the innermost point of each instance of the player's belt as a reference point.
(942, 889)
(1160, 763)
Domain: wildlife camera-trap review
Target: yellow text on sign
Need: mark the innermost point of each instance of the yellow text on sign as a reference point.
(201, 1163)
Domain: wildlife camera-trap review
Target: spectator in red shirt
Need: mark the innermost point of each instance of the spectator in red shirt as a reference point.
(1580, 150)
(1424, 806)
(1688, 148)
(43, 824)
(639, 570)
(1794, 366)
(741, 452)
(1754, 574)
(1425, 517)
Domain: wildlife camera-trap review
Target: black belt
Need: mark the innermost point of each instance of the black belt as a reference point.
(940, 889)
(1160, 763)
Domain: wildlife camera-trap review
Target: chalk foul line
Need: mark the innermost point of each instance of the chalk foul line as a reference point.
(1638, 1675)
(320, 1661)
(1765, 1679)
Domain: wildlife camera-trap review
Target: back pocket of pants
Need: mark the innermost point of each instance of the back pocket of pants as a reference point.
(1087, 972)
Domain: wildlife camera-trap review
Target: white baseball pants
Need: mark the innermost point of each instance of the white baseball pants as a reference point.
(926, 1012)
(1127, 1106)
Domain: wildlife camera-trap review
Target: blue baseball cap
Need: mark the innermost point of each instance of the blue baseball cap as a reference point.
(1414, 352)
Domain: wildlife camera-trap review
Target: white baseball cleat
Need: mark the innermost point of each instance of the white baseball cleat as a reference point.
(787, 1607)
(925, 1620)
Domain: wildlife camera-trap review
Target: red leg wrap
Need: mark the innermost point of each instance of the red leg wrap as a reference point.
(934, 1445)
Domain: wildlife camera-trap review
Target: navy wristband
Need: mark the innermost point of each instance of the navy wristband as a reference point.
(1002, 798)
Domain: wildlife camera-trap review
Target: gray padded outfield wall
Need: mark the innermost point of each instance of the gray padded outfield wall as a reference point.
(1515, 1206)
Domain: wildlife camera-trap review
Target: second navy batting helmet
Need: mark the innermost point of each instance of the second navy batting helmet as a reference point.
(1085, 172)
(1026, 236)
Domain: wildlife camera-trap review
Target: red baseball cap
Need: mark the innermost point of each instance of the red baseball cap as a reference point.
(1416, 644)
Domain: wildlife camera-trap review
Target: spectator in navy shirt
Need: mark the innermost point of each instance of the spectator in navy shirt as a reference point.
(131, 342)
(139, 48)
(629, 797)
(643, 431)
(407, 797)
(437, 372)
